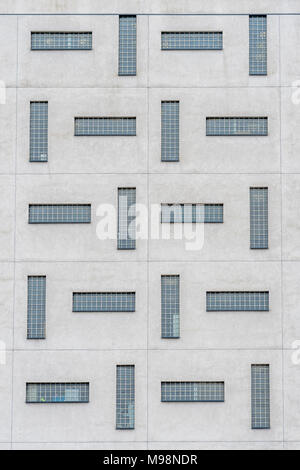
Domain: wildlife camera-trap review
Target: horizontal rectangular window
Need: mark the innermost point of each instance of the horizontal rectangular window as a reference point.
(260, 396)
(258, 218)
(105, 126)
(57, 392)
(125, 397)
(170, 307)
(59, 213)
(191, 41)
(126, 218)
(38, 131)
(192, 213)
(258, 45)
(61, 41)
(237, 301)
(170, 131)
(237, 126)
(36, 307)
(127, 45)
(104, 302)
(192, 391)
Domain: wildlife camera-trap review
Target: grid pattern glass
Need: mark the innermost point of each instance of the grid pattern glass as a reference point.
(59, 213)
(170, 306)
(260, 396)
(192, 213)
(237, 301)
(174, 41)
(105, 126)
(192, 391)
(258, 218)
(104, 302)
(36, 307)
(125, 404)
(258, 45)
(39, 131)
(61, 41)
(126, 218)
(170, 131)
(127, 45)
(238, 126)
(57, 392)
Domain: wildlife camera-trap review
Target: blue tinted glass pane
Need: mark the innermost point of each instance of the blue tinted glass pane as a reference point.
(126, 219)
(105, 126)
(260, 396)
(191, 40)
(192, 391)
(258, 45)
(258, 218)
(125, 403)
(237, 301)
(104, 302)
(238, 126)
(57, 392)
(39, 131)
(61, 41)
(192, 213)
(36, 307)
(170, 131)
(59, 213)
(170, 307)
(127, 45)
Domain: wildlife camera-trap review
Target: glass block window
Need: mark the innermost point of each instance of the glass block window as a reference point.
(237, 301)
(258, 45)
(61, 41)
(126, 218)
(36, 307)
(125, 404)
(59, 213)
(57, 392)
(170, 131)
(237, 126)
(170, 306)
(191, 41)
(104, 302)
(258, 218)
(260, 396)
(127, 45)
(105, 126)
(38, 131)
(191, 213)
(192, 391)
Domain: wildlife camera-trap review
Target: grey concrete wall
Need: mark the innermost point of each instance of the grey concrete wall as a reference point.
(213, 346)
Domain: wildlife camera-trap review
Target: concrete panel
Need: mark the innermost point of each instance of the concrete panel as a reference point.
(61, 422)
(84, 331)
(233, 192)
(85, 154)
(213, 154)
(184, 422)
(218, 330)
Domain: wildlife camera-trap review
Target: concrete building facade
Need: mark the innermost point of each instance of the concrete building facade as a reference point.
(213, 346)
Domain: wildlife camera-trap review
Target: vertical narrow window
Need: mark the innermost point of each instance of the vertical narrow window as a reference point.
(170, 131)
(127, 45)
(258, 218)
(39, 131)
(260, 396)
(36, 307)
(125, 406)
(170, 307)
(126, 218)
(258, 45)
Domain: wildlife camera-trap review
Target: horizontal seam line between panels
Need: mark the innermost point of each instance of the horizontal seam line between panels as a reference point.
(150, 87)
(150, 14)
(142, 441)
(148, 173)
(150, 349)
